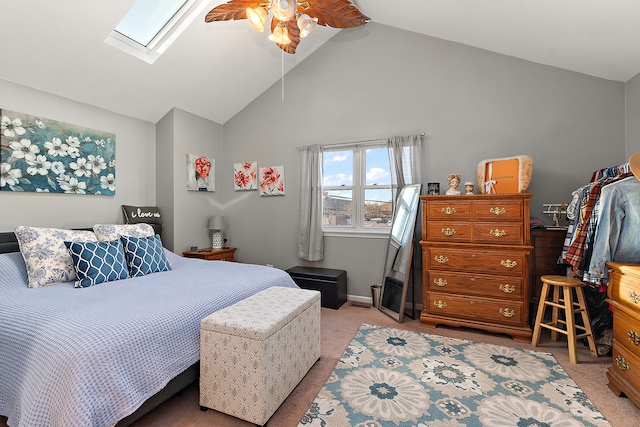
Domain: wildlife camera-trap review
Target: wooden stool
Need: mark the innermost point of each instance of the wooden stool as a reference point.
(568, 284)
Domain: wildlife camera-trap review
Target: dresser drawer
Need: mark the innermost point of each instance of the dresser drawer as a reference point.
(626, 329)
(625, 364)
(501, 210)
(478, 309)
(480, 259)
(452, 210)
(498, 233)
(625, 289)
(448, 231)
(504, 287)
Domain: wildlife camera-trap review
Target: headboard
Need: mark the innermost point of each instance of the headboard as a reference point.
(9, 243)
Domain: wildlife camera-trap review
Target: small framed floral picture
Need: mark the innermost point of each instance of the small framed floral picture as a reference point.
(245, 176)
(201, 173)
(272, 181)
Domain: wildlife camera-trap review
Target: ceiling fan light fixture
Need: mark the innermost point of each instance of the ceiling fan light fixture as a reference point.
(283, 10)
(257, 17)
(280, 34)
(306, 24)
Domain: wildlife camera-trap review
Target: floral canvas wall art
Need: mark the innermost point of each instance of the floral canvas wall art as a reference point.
(272, 181)
(43, 155)
(200, 173)
(245, 176)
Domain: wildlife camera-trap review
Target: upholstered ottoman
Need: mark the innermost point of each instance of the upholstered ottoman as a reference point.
(255, 352)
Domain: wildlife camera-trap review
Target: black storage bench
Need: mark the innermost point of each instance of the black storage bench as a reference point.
(331, 283)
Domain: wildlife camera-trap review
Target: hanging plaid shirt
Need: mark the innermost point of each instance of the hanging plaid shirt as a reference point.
(588, 200)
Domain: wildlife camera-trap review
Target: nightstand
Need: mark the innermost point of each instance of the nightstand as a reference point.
(209, 254)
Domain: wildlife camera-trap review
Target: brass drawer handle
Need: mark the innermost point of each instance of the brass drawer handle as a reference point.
(507, 313)
(497, 233)
(448, 231)
(634, 337)
(508, 263)
(507, 289)
(497, 210)
(634, 297)
(440, 282)
(440, 304)
(622, 364)
(448, 210)
(442, 259)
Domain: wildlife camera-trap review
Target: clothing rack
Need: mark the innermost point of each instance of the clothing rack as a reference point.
(362, 141)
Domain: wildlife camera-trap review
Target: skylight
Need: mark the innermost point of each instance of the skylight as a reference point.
(146, 18)
(150, 26)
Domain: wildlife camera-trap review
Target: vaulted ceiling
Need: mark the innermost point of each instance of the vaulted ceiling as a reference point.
(214, 70)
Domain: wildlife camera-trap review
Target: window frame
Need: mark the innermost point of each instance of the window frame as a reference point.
(358, 190)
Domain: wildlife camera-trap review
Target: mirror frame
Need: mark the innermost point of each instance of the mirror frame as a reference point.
(395, 278)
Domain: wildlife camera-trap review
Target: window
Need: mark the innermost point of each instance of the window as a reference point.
(150, 26)
(357, 189)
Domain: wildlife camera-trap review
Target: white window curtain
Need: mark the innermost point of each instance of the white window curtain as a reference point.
(405, 156)
(310, 237)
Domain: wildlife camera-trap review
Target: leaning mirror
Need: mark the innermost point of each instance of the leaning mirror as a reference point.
(397, 268)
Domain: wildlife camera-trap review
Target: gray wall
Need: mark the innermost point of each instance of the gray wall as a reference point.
(135, 165)
(633, 115)
(379, 81)
(187, 212)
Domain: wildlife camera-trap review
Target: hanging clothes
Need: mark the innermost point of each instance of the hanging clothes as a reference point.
(617, 236)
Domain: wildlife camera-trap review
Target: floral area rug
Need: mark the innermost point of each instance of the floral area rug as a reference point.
(391, 377)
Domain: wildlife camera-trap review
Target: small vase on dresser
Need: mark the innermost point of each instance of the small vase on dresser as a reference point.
(624, 296)
(475, 252)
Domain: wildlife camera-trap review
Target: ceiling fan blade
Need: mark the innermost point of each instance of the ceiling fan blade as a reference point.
(234, 9)
(334, 13)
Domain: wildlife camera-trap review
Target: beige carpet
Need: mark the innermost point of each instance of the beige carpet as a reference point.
(339, 327)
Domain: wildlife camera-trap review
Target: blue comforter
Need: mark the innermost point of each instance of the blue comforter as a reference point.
(92, 356)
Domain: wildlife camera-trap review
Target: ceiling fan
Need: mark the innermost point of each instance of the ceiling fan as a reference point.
(291, 19)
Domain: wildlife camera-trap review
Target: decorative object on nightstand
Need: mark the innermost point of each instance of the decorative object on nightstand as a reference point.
(211, 254)
(216, 223)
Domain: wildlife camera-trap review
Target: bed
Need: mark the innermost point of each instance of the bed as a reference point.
(92, 356)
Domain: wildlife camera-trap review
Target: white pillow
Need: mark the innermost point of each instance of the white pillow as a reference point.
(109, 232)
(45, 254)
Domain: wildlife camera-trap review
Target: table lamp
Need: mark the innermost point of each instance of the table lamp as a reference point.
(216, 223)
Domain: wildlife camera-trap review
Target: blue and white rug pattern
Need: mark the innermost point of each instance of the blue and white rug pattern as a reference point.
(392, 377)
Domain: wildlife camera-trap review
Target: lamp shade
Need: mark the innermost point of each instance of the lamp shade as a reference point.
(216, 222)
(257, 17)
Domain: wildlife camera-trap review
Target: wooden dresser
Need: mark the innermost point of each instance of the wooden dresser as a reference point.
(624, 296)
(475, 262)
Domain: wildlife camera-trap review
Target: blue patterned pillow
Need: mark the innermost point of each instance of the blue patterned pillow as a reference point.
(145, 255)
(97, 262)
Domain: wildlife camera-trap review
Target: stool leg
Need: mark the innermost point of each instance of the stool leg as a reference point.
(571, 326)
(586, 321)
(540, 315)
(554, 312)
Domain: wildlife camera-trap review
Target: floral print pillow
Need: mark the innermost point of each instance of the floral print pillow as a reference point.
(109, 232)
(45, 254)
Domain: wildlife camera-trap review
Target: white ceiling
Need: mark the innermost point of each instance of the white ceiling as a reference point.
(214, 70)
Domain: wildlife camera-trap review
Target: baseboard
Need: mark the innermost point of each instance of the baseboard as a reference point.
(369, 300)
